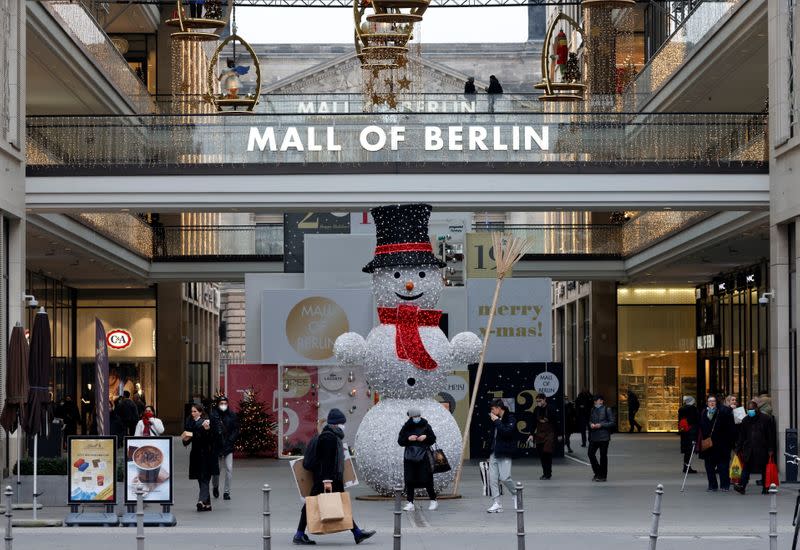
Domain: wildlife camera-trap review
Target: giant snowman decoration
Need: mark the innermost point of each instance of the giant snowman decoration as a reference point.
(406, 357)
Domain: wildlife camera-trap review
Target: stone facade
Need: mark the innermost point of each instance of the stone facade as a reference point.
(232, 313)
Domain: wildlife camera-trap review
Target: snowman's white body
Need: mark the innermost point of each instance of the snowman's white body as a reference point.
(401, 384)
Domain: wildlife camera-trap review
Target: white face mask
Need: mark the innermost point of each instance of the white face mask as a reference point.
(223, 408)
(341, 427)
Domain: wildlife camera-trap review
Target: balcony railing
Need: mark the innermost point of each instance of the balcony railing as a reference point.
(687, 39)
(601, 240)
(264, 242)
(83, 144)
(89, 36)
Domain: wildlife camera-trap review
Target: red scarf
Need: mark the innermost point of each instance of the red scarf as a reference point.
(408, 343)
(146, 422)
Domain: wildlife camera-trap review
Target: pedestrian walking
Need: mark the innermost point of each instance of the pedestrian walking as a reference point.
(688, 422)
(547, 430)
(149, 425)
(503, 450)
(757, 444)
(570, 422)
(583, 409)
(229, 424)
(494, 90)
(67, 411)
(714, 443)
(416, 437)
(203, 434)
(128, 413)
(633, 408)
(328, 472)
(601, 424)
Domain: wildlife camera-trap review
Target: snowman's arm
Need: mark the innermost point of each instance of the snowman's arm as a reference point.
(466, 347)
(350, 349)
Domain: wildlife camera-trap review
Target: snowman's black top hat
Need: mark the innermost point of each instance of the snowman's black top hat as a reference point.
(402, 237)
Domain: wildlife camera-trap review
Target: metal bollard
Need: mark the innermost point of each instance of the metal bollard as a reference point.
(773, 517)
(267, 528)
(520, 516)
(656, 517)
(398, 515)
(139, 518)
(9, 535)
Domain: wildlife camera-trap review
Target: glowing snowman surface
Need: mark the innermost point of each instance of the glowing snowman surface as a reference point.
(401, 383)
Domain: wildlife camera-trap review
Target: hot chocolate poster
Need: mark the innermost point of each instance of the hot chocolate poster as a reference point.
(148, 463)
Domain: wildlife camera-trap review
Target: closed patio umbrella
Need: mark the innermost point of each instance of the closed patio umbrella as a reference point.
(16, 380)
(39, 392)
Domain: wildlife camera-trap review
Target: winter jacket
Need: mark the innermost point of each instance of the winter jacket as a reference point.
(469, 88)
(329, 460)
(504, 437)
(720, 429)
(229, 422)
(692, 416)
(127, 411)
(156, 427)
(583, 406)
(546, 427)
(570, 418)
(633, 401)
(757, 439)
(416, 473)
(494, 87)
(603, 416)
(203, 458)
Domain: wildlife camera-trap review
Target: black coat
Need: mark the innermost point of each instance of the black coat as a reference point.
(504, 437)
(469, 88)
(229, 424)
(720, 428)
(570, 418)
(633, 402)
(127, 411)
(416, 473)
(692, 416)
(203, 458)
(546, 427)
(583, 406)
(494, 87)
(757, 439)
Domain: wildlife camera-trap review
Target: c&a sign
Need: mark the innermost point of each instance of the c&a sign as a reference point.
(119, 339)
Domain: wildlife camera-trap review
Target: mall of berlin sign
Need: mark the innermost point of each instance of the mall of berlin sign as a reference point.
(378, 138)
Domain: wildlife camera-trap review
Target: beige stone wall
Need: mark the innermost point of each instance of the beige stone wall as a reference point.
(232, 312)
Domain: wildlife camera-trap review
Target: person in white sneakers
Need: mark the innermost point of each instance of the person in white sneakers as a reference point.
(417, 436)
(504, 447)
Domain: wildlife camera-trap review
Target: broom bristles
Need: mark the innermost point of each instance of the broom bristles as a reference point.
(508, 250)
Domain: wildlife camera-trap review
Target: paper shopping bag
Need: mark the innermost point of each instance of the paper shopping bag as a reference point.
(317, 527)
(771, 474)
(330, 507)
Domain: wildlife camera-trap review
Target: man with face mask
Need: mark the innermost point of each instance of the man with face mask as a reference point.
(757, 443)
(230, 433)
(416, 437)
(715, 441)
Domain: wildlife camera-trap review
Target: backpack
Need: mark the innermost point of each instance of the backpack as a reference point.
(310, 456)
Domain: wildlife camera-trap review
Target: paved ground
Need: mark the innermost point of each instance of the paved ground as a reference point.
(569, 511)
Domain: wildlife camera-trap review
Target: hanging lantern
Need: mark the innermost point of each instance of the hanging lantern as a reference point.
(556, 56)
(229, 78)
(381, 37)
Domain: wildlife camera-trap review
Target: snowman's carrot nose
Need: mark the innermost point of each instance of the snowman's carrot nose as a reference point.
(409, 285)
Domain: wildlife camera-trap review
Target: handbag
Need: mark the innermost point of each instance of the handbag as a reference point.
(414, 453)
(735, 472)
(706, 443)
(439, 462)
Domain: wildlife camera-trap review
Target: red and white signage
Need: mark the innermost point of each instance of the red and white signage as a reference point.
(119, 339)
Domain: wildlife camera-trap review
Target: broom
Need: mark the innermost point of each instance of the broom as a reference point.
(508, 250)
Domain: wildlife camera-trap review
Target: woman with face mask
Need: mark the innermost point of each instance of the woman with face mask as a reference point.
(416, 437)
(757, 443)
(203, 434)
(715, 441)
(149, 424)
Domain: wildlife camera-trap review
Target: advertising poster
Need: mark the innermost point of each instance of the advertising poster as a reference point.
(523, 321)
(92, 469)
(299, 408)
(517, 384)
(299, 327)
(263, 380)
(297, 225)
(148, 463)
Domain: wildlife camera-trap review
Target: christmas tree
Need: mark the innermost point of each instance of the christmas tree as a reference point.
(258, 428)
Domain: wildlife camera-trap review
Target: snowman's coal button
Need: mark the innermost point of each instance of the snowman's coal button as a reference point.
(411, 381)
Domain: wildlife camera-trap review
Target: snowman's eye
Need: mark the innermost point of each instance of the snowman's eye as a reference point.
(396, 274)
(421, 274)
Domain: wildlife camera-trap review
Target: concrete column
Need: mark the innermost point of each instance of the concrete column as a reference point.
(604, 340)
(779, 328)
(171, 373)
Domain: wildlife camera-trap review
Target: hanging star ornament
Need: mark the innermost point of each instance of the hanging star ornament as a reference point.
(404, 83)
